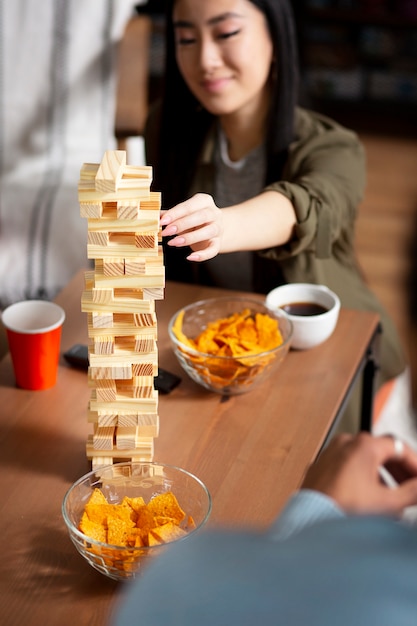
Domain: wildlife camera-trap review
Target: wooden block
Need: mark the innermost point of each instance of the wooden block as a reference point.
(120, 247)
(121, 404)
(126, 418)
(144, 369)
(123, 401)
(120, 371)
(146, 240)
(88, 170)
(154, 277)
(142, 392)
(141, 458)
(145, 264)
(143, 452)
(100, 461)
(102, 295)
(98, 239)
(138, 171)
(99, 321)
(145, 343)
(145, 221)
(143, 443)
(136, 266)
(110, 267)
(109, 210)
(133, 389)
(121, 357)
(106, 390)
(148, 431)
(124, 329)
(115, 301)
(87, 193)
(91, 209)
(144, 421)
(110, 170)
(102, 418)
(145, 319)
(154, 293)
(126, 437)
(128, 209)
(153, 203)
(103, 345)
(103, 438)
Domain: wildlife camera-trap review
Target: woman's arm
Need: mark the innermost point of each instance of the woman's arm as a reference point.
(261, 222)
(309, 208)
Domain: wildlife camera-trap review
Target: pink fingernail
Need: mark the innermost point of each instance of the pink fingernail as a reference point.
(170, 230)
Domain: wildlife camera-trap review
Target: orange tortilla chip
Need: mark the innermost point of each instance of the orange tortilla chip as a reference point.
(168, 532)
(135, 503)
(118, 531)
(166, 505)
(93, 530)
(100, 512)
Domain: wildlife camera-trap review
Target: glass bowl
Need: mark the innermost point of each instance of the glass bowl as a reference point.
(132, 479)
(227, 375)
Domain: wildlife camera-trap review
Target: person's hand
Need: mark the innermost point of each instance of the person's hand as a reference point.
(348, 471)
(197, 223)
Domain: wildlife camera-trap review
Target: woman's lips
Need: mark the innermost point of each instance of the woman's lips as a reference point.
(215, 85)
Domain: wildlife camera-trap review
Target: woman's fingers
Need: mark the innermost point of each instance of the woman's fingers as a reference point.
(195, 223)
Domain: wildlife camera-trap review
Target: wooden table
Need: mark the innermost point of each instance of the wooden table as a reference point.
(251, 451)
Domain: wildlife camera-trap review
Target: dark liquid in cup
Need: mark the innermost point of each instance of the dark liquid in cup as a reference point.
(304, 308)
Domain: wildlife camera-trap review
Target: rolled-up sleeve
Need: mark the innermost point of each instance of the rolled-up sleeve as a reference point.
(324, 179)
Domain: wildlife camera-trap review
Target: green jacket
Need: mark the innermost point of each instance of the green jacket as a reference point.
(324, 178)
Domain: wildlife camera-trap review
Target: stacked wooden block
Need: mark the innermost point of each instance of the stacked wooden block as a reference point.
(124, 241)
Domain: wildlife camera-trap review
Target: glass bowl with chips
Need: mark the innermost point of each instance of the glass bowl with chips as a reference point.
(230, 344)
(121, 516)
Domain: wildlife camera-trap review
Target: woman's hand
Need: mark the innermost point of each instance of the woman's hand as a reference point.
(197, 223)
(348, 471)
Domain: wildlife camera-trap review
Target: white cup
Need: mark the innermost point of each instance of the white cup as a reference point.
(309, 330)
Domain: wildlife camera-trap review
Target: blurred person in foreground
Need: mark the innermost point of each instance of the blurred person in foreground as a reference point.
(340, 553)
(259, 190)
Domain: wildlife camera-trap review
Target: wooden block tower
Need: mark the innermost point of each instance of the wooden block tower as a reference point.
(124, 240)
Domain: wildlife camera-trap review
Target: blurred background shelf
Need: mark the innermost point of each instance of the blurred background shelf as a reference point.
(359, 54)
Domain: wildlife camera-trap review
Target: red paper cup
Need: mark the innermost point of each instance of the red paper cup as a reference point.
(34, 334)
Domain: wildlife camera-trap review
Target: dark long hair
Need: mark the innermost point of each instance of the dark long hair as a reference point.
(184, 123)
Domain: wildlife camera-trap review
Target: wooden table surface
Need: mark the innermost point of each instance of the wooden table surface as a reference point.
(251, 451)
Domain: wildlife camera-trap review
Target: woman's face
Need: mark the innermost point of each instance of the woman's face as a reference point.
(224, 52)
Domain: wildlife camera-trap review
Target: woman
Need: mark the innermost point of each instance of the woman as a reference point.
(259, 191)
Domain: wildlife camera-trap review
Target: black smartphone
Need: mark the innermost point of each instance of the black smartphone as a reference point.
(77, 356)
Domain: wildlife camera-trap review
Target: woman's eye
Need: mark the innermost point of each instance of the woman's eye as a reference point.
(185, 41)
(229, 34)
(184, 36)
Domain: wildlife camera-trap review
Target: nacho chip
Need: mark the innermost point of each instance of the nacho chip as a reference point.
(166, 505)
(118, 531)
(93, 529)
(166, 533)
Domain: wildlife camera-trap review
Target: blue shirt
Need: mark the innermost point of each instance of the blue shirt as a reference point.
(315, 567)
